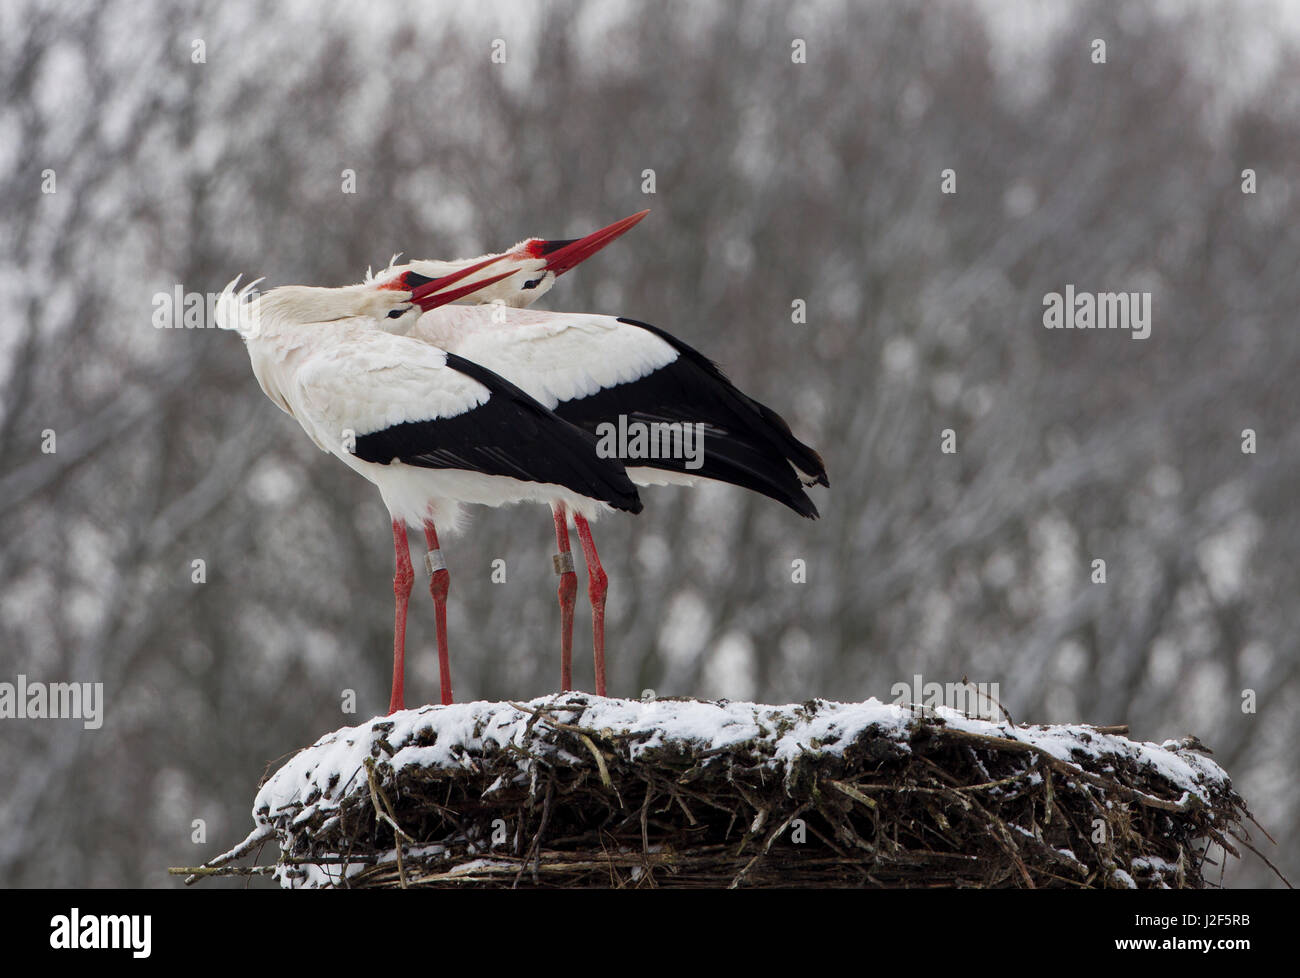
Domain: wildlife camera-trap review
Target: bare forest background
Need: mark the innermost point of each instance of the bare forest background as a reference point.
(774, 181)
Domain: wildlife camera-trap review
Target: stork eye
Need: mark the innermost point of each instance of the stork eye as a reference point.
(532, 283)
(396, 313)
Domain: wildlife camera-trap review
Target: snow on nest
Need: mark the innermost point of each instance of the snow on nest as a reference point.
(317, 779)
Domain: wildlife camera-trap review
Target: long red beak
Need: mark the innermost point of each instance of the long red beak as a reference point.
(422, 295)
(563, 255)
(560, 256)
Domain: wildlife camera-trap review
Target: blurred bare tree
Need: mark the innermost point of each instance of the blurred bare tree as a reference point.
(191, 143)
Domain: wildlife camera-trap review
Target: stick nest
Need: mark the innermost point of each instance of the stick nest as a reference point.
(579, 791)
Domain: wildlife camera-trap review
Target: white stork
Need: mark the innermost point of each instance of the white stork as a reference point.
(429, 428)
(605, 374)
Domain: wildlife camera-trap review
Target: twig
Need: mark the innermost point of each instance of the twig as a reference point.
(854, 793)
(600, 760)
(386, 814)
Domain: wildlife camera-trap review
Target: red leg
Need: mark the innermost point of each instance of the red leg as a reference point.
(567, 593)
(439, 585)
(597, 585)
(403, 578)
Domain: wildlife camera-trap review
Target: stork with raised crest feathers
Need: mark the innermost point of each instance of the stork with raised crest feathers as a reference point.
(432, 430)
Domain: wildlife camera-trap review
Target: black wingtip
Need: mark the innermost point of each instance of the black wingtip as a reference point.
(618, 490)
(804, 506)
(750, 421)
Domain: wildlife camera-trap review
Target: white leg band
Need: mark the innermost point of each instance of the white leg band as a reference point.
(433, 562)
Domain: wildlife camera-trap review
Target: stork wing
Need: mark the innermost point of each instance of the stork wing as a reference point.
(598, 370)
(391, 399)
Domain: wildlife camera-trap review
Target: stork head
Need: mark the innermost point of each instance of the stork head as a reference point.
(517, 277)
(390, 304)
